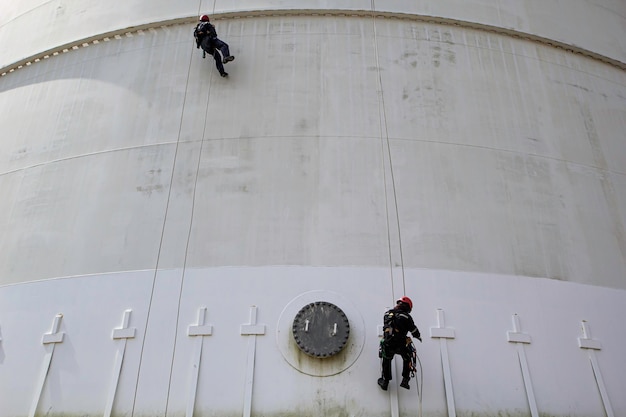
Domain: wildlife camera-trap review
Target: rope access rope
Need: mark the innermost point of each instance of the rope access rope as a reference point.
(165, 218)
(384, 138)
(193, 204)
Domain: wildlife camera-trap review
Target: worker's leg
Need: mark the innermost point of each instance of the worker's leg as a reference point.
(406, 369)
(218, 62)
(383, 381)
(223, 47)
(387, 369)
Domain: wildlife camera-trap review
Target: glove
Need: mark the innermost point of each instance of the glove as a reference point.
(419, 338)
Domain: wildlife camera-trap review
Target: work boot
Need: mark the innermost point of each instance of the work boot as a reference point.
(384, 383)
(228, 58)
(405, 383)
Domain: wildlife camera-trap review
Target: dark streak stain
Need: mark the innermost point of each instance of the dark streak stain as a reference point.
(148, 189)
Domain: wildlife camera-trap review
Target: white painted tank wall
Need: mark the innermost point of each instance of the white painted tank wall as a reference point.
(595, 26)
(158, 368)
(348, 159)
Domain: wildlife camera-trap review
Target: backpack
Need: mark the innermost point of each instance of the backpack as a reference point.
(389, 324)
(207, 28)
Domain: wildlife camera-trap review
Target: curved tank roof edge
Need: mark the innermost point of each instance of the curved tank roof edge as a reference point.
(305, 12)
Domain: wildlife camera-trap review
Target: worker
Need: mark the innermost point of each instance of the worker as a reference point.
(397, 324)
(206, 38)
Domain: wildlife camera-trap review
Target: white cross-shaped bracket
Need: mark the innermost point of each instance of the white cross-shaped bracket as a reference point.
(54, 336)
(124, 332)
(200, 329)
(516, 336)
(586, 342)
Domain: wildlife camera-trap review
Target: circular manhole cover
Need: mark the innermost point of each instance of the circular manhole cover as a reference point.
(321, 329)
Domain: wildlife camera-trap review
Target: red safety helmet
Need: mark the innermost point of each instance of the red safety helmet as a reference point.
(204, 18)
(405, 300)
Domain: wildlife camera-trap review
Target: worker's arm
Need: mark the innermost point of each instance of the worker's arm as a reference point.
(416, 334)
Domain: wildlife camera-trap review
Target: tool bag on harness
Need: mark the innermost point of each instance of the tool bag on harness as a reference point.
(413, 355)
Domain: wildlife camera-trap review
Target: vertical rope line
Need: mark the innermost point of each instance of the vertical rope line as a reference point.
(193, 205)
(169, 195)
(167, 205)
(384, 138)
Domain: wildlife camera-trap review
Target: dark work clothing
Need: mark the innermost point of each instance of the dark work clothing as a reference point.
(204, 29)
(402, 323)
(395, 340)
(211, 47)
(406, 360)
(206, 38)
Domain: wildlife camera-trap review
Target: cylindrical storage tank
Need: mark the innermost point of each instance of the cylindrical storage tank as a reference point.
(175, 243)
